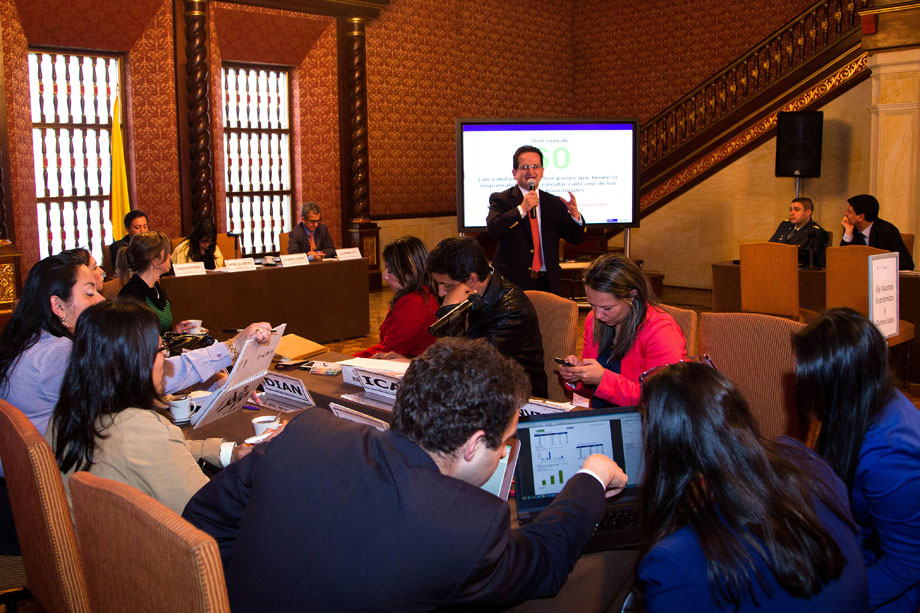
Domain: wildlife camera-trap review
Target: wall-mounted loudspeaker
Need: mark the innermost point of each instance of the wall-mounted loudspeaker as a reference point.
(798, 143)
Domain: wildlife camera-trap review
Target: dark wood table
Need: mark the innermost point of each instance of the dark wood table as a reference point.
(599, 581)
(726, 298)
(325, 301)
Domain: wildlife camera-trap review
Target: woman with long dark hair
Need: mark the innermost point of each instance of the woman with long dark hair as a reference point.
(105, 420)
(732, 521)
(404, 331)
(34, 349)
(625, 334)
(870, 435)
(85, 257)
(140, 266)
(200, 246)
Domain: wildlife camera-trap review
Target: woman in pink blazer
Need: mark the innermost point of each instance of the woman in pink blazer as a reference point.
(626, 334)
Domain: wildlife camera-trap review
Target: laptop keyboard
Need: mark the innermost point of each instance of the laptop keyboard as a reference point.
(620, 518)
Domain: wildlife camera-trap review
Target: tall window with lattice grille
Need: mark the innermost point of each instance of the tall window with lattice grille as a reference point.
(257, 155)
(72, 97)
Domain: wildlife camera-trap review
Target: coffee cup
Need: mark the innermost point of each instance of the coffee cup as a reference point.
(179, 407)
(196, 326)
(265, 422)
(268, 260)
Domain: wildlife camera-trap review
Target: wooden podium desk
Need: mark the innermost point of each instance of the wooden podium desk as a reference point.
(325, 301)
(726, 297)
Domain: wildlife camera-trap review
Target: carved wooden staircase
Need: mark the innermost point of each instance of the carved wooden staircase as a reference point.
(814, 58)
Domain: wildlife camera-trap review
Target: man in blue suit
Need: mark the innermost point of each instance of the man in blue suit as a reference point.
(311, 236)
(334, 516)
(862, 226)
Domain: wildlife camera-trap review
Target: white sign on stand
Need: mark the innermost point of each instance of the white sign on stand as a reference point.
(351, 253)
(294, 259)
(240, 264)
(189, 269)
(884, 299)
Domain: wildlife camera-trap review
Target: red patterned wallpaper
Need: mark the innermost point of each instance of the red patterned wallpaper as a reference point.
(153, 106)
(317, 89)
(86, 24)
(429, 62)
(637, 57)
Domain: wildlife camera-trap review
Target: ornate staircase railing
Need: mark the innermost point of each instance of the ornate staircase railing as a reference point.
(814, 57)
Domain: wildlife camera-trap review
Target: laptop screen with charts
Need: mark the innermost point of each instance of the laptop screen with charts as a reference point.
(554, 447)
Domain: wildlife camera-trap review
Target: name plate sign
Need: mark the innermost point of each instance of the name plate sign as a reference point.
(240, 264)
(351, 253)
(189, 270)
(294, 259)
(884, 302)
(286, 393)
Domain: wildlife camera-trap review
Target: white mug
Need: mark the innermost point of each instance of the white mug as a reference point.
(179, 407)
(265, 422)
(196, 326)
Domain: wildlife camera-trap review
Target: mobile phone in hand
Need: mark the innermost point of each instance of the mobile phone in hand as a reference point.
(562, 362)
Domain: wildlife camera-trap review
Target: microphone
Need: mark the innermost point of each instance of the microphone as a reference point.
(532, 185)
(472, 302)
(234, 235)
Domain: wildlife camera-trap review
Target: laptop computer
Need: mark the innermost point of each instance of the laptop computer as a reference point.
(553, 448)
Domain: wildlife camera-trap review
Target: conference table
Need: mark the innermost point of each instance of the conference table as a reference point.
(323, 301)
(726, 298)
(597, 583)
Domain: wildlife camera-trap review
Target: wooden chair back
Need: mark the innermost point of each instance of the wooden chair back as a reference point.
(140, 555)
(688, 320)
(43, 523)
(755, 352)
(558, 320)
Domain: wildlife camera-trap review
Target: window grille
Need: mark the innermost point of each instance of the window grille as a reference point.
(257, 155)
(71, 101)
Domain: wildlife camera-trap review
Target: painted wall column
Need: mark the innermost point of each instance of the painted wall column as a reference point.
(891, 35)
(363, 232)
(196, 50)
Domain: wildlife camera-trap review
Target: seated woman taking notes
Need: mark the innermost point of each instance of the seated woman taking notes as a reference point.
(106, 421)
(734, 522)
(200, 246)
(412, 310)
(625, 334)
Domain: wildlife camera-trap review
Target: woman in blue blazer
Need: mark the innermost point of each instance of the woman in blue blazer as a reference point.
(870, 435)
(735, 522)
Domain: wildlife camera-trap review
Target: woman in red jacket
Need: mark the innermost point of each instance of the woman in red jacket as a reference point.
(625, 335)
(405, 329)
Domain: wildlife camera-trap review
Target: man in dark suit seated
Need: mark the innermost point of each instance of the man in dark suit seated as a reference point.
(523, 212)
(803, 232)
(311, 236)
(506, 317)
(135, 223)
(862, 226)
(336, 516)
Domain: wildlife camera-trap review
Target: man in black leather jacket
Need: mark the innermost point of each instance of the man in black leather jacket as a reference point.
(506, 318)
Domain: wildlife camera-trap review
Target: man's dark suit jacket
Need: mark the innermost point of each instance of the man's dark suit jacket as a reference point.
(514, 255)
(885, 235)
(299, 243)
(336, 516)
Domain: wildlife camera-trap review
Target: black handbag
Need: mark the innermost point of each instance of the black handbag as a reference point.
(181, 342)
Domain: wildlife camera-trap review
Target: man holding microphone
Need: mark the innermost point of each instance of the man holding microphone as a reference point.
(528, 224)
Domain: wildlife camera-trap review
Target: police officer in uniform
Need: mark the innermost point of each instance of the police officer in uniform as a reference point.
(800, 230)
